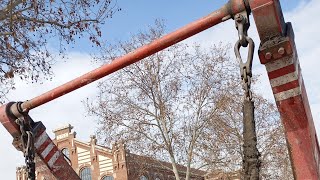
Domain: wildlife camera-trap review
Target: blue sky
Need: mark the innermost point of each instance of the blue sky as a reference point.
(137, 15)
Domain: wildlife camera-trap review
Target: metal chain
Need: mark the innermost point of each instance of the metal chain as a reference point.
(27, 141)
(242, 24)
(251, 162)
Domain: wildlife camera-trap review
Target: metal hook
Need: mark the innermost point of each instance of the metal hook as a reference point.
(245, 66)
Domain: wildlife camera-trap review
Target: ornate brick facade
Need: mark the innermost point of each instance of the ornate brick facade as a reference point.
(102, 163)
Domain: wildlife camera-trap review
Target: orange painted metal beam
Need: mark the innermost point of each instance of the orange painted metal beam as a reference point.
(226, 12)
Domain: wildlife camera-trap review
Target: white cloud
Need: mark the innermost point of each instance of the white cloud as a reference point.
(66, 109)
(69, 109)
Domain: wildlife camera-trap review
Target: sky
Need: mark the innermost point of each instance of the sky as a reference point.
(138, 15)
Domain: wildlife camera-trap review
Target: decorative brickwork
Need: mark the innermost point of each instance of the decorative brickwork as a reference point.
(98, 162)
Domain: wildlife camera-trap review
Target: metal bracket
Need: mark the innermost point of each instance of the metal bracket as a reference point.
(277, 47)
(242, 24)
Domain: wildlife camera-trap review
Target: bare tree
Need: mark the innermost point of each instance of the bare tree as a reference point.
(183, 104)
(26, 27)
(228, 145)
(162, 105)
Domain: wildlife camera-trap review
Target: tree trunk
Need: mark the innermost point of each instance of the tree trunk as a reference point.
(174, 167)
(251, 162)
(190, 154)
(188, 167)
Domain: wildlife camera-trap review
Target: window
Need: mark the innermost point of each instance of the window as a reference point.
(143, 178)
(65, 152)
(85, 174)
(157, 178)
(107, 178)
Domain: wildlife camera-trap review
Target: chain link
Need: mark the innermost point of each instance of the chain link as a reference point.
(27, 141)
(242, 24)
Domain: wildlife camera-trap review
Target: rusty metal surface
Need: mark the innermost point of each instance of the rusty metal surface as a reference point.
(268, 17)
(216, 17)
(27, 146)
(277, 47)
(278, 53)
(7, 120)
(304, 152)
(251, 162)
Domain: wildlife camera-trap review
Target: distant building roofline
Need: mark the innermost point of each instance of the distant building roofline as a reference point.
(67, 126)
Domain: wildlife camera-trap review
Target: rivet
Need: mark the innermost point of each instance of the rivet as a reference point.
(268, 55)
(281, 51)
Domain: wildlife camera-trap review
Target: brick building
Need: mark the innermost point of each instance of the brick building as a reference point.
(92, 161)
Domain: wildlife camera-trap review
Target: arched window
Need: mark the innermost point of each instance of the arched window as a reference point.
(85, 174)
(143, 178)
(66, 154)
(107, 178)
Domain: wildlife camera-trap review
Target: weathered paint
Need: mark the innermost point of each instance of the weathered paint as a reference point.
(226, 12)
(51, 156)
(278, 53)
(7, 120)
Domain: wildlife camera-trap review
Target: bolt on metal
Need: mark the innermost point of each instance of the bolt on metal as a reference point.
(268, 55)
(281, 51)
